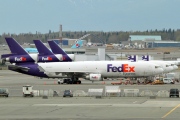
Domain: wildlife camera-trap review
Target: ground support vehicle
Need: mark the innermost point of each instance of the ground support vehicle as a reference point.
(4, 92)
(157, 82)
(117, 83)
(28, 91)
(68, 93)
(174, 92)
(68, 81)
(168, 81)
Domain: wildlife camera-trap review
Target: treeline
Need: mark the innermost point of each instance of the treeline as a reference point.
(95, 36)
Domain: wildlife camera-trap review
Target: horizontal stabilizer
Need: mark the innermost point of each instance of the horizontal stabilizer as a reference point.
(18, 68)
(7, 55)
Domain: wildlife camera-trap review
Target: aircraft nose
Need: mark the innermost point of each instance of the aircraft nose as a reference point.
(160, 70)
(175, 67)
(169, 69)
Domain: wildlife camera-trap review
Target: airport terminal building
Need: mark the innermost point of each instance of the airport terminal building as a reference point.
(152, 41)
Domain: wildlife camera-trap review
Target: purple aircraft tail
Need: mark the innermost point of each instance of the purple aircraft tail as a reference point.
(57, 50)
(45, 55)
(133, 58)
(15, 47)
(19, 55)
(146, 57)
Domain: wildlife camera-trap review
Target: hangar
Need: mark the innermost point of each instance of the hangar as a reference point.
(155, 44)
(144, 37)
(151, 41)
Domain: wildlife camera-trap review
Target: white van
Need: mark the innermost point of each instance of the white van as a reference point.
(28, 91)
(168, 81)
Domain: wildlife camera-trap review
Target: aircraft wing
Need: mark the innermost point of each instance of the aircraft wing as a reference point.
(18, 68)
(68, 73)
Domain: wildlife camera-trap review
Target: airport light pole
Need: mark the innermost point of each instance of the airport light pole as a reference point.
(163, 56)
(121, 56)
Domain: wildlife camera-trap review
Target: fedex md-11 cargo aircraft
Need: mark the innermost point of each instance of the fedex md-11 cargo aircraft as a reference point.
(30, 67)
(96, 70)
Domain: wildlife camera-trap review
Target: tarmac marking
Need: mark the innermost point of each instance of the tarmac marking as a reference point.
(171, 111)
(73, 105)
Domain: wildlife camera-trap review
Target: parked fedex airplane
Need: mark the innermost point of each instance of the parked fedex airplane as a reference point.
(88, 70)
(164, 64)
(78, 44)
(19, 55)
(96, 70)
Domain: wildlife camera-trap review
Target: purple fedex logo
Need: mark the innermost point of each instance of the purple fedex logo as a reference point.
(47, 58)
(132, 58)
(20, 59)
(122, 68)
(146, 57)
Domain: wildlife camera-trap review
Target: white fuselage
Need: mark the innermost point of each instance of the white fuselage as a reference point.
(166, 66)
(105, 68)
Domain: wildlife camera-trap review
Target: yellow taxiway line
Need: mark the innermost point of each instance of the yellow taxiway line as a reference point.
(171, 111)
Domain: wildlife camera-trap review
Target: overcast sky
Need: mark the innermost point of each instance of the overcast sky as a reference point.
(23, 16)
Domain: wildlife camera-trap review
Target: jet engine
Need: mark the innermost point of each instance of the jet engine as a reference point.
(59, 56)
(19, 59)
(63, 57)
(71, 56)
(94, 77)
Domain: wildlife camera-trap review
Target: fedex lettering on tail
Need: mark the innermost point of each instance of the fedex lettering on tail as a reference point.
(20, 59)
(122, 68)
(47, 58)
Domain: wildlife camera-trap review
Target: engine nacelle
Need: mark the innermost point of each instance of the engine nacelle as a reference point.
(34, 57)
(59, 56)
(94, 77)
(19, 59)
(65, 57)
(47, 58)
(72, 56)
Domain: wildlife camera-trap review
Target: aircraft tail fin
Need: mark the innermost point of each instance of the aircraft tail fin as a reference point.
(15, 47)
(7, 55)
(133, 58)
(78, 44)
(42, 49)
(146, 57)
(55, 48)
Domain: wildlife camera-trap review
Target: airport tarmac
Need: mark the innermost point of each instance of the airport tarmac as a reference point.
(14, 82)
(89, 108)
(82, 108)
